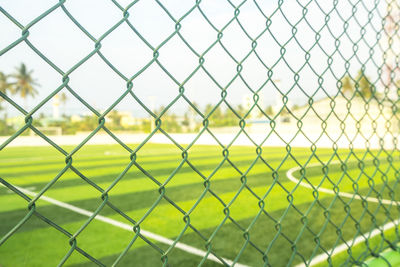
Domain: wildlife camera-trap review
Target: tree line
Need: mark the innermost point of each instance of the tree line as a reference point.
(22, 83)
(361, 86)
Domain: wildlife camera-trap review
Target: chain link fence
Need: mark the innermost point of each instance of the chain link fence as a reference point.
(312, 88)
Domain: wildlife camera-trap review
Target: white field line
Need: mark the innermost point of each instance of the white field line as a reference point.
(28, 188)
(352, 242)
(156, 237)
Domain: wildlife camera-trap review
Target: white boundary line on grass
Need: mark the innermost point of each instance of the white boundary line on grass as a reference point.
(156, 237)
(336, 250)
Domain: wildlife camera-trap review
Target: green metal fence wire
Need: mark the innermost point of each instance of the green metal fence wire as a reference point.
(384, 67)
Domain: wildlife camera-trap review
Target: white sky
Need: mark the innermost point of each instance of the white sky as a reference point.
(65, 44)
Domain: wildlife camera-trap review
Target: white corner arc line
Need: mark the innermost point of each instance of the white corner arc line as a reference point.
(291, 177)
(182, 246)
(336, 250)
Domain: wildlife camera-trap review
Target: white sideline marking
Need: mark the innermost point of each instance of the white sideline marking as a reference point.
(291, 177)
(158, 238)
(352, 242)
(9, 191)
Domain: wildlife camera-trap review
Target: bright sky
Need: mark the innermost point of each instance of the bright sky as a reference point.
(59, 39)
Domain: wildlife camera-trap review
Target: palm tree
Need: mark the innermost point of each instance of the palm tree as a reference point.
(365, 87)
(24, 83)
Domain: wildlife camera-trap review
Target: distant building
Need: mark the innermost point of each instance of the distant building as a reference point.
(128, 120)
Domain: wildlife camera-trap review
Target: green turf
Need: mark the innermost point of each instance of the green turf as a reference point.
(386, 259)
(293, 226)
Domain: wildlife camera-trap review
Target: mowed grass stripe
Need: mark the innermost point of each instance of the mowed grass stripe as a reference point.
(138, 206)
(110, 172)
(88, 149)
(84, 191)
(203, 218)
(364, 179)
(166, 219)
(89, 161)
(94, 161)
(158, 162)
(125, 202)
(256, 177)
(206, 166)
(56, 239)
(47, 243)
(104, 153)
(13, 256)
(149, 150)
(106, 156)
(230, 238)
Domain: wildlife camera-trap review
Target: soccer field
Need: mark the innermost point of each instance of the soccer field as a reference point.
(248, 208)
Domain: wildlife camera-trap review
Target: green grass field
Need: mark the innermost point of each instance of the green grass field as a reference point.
(293, 225)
